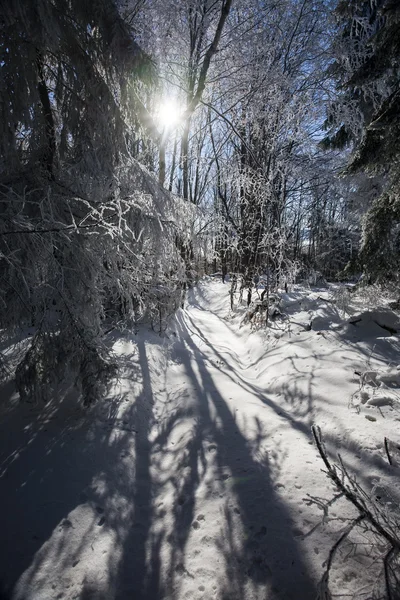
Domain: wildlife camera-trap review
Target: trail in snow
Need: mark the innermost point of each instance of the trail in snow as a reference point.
(192, 479)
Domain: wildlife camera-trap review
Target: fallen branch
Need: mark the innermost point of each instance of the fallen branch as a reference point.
(387, 451)
(349, 492)
(379, 522)
(329, 301)
(323, 592)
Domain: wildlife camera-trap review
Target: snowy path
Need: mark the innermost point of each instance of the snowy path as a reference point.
(192, 480)
(249, 535)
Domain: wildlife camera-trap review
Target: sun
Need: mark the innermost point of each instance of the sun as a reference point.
(169, 114)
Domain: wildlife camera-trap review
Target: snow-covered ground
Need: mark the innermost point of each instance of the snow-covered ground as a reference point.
(198, 477)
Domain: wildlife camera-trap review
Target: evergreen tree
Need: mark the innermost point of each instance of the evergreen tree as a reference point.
(66, 73)
(80, 221)
(367, 115)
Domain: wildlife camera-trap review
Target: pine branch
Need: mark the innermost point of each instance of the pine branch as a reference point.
(212, 49)
(49, 230)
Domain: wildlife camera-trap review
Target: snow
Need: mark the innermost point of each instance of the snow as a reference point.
(198, 477)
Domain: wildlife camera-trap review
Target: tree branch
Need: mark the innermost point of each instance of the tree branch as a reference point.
(212, 49)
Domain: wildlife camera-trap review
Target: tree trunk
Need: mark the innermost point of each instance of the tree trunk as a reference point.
(49, 154)
(161, 161)
(171, 177)
(185, 160)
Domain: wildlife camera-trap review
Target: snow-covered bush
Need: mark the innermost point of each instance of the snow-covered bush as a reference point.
(342, 299)
(86, 233)
(73, 267)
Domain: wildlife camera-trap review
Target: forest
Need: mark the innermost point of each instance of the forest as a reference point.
(200, 299)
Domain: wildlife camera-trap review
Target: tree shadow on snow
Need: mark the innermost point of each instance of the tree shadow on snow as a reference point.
(255, 539)
(68, 485)
(85, 510)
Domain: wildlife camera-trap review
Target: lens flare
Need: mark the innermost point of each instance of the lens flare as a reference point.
(169, 114)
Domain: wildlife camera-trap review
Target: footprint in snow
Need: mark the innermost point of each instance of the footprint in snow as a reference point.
(66, 524)
(258, 568)
(262, 532)
(180, 569)
(280, 486)
(196, 523)
(298, 533)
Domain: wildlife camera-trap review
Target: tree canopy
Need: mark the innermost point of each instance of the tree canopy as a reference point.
(367, 115)
(144, 144)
